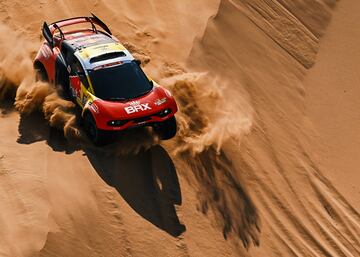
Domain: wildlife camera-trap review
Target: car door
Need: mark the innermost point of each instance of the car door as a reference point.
(78, 82)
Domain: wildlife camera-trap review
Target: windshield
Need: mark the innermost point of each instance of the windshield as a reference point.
(120, 82)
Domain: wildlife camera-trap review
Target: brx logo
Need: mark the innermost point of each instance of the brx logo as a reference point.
(135, 106)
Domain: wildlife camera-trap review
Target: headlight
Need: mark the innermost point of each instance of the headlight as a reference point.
(160, 101)
(117, 123)
(165, 112)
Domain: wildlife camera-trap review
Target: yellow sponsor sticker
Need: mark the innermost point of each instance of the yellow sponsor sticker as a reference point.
(100, 49)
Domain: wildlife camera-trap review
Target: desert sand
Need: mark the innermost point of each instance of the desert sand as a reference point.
(266, 159)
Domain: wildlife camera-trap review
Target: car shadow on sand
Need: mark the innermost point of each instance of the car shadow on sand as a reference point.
(147, 180)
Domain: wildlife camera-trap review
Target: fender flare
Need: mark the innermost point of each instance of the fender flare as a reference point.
(38, 65)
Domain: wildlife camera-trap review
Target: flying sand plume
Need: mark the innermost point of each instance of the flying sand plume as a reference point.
(17, 75)
(206, 119)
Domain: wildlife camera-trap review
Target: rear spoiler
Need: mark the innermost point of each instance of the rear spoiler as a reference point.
(48, 30)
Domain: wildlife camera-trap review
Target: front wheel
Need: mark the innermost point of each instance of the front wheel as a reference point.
(166, 129)
(94, 134)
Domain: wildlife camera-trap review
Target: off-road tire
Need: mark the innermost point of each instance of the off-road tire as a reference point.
(166, 129)
(96, 136)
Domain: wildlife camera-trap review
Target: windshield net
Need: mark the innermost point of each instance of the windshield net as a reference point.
(120, 82)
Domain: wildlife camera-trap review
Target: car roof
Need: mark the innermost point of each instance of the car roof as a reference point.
(79, 40)
(86, 46)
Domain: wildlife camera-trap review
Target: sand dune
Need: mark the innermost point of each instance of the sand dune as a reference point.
(265, 160)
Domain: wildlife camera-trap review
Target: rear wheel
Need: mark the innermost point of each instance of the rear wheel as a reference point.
(166, 129)
(95, 135)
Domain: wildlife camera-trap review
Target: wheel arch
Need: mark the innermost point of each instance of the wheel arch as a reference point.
(38, 65)
(86, 111)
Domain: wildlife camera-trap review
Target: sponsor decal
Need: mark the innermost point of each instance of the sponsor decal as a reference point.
(135, 106)
(160, 101)
(108, 65)
(133, 103)
(102, 47)
(86, 40)
(75, 93)
(92, 51)
(168, 93)
(46, 52)
(94, 107)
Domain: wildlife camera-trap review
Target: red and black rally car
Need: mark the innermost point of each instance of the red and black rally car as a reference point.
(103, 78)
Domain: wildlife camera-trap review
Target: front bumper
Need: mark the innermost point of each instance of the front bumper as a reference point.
(141, 121)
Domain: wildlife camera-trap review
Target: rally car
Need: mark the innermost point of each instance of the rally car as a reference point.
(103, 78)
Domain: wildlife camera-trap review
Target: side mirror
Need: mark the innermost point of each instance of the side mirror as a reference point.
(137, 61)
